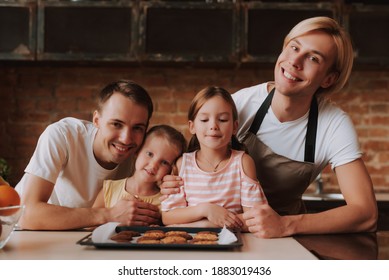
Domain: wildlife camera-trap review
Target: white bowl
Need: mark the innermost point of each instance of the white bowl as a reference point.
(9, 222)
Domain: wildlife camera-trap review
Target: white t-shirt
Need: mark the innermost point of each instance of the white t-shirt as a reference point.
(336, 139)
(64, 156)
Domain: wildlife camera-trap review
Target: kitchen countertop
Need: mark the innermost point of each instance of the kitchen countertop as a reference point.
(351, 246)
(43, 245)
(62, 245)
(366, 246)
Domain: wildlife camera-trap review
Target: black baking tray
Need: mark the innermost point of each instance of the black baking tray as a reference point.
(87, 240)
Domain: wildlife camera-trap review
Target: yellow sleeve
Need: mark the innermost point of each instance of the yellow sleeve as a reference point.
(113, 191)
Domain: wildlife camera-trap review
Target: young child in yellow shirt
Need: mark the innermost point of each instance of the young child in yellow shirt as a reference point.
(163, 145)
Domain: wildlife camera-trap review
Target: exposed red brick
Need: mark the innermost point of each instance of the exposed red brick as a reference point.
(183, 106)
(377, 146)
(379, 132)
(160, 93)
(20, 130)
(379, 120)
(166, 106)
(179, 119)
(28, 92)
(384, 158)
(66, 104)
(185, 94)
(74, 91)
(160, 119)
(46, 105)
(86, 104)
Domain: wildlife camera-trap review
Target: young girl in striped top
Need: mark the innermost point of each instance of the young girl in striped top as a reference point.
(219, 177)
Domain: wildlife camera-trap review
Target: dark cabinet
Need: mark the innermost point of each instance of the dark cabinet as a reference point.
(189, 31)
(231, 31)
(85, 30)
(17, 30)
(368, 26)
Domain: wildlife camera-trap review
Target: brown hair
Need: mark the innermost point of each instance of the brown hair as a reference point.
(129, 89)
(199, 100)
(171, 134)
(345, 55)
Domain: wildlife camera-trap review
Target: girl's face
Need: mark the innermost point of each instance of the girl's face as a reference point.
(214, 124)
(155, 159)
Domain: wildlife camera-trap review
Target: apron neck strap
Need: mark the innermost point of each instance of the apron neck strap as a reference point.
(310, 139)
(260, 115)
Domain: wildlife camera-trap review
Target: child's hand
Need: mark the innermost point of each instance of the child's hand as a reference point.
(220, 216)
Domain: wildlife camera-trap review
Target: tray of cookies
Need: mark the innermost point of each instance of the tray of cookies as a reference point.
(131, 237)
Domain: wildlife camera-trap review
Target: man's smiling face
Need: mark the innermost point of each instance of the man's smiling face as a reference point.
(304, 65)
(122, 125)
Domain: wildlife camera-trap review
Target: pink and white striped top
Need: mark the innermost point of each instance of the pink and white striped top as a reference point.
(228, 187)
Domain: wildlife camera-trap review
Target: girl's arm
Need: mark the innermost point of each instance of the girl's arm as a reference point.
(204, 223)
(217, 215)
(249, 167)
(182, 215)
(250, 170)
(255, 192)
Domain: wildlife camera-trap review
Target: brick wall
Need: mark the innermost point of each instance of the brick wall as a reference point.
(34, 96)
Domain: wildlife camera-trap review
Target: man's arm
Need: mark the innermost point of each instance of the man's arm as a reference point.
(99, 201)
(41, 215)
(360, 214)
(171, 184)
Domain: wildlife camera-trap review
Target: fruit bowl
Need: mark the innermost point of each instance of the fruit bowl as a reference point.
(9, 217)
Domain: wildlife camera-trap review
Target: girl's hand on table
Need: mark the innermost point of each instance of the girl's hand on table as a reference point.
(220, 216)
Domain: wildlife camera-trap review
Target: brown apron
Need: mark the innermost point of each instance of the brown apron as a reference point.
(282, 179)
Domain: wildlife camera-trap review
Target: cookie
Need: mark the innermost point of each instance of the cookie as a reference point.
(154, 234)
(129, 232)
(124, 236)
(204, 242)
(205, 237)
(184, 234)
(147, 240)
(173, 240)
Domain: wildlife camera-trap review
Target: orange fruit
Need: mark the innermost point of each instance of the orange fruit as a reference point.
(8, 197)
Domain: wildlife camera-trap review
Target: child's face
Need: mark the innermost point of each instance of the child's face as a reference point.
(156, 158)
(214, 124)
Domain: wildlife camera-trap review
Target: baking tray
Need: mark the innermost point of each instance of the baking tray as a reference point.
(87, 240)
